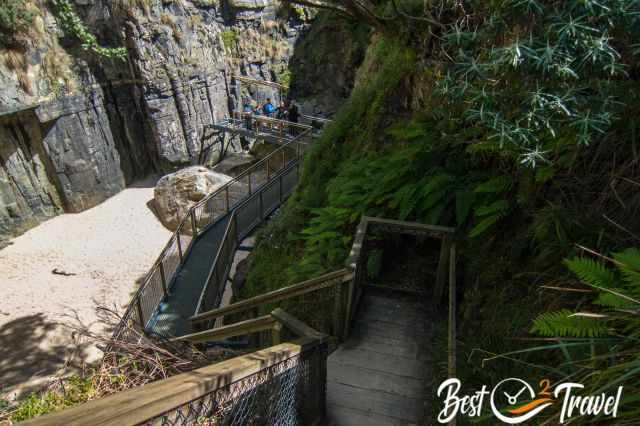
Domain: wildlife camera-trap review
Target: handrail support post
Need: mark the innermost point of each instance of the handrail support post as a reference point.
(163, 278)
(179, 245)
(194, 227)
(143, 323)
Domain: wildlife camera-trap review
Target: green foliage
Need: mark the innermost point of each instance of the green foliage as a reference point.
(563, 324)
(73, 25)
(14, 16)
(229, 38)
(591, 272)
(284, 77)
(492, 206)
(73, 391)
(612, 326)
(536, 73)
(615, 288)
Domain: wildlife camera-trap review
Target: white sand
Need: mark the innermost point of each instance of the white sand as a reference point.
(108, 247)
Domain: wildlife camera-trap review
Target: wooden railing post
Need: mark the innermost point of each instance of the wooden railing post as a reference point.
(276, 334)
(194, 227)
(441, 273)
(348, 306)
(337, 312)
(249, 179)
(226, 197)
(280, 188)
(163, 278)
(284, 160)
(452, 311)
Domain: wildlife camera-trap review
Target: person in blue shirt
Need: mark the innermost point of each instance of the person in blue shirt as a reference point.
(268, 108)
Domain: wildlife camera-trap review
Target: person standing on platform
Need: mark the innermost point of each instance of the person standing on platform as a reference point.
(293, 115)
(268, 109)
(247, 112)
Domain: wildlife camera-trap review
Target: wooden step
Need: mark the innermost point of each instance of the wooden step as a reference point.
(387, 363)
(407, 387)
(343, 416)
(374, 402)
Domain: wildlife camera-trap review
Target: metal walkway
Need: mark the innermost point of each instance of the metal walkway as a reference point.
(173, 312)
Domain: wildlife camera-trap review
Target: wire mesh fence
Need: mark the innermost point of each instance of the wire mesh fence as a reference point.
(289, 393)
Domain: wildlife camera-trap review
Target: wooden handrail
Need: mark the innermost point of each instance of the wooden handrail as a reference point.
(295, 325)
(147, 402)
(241, 328)
(444, 230)
(141, 404)
(276, 295)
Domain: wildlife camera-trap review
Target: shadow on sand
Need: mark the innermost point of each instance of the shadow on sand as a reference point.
(26, 353)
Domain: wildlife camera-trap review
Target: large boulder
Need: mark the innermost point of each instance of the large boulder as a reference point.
(175, 193)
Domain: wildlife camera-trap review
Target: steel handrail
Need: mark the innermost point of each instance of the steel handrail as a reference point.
(176, 235)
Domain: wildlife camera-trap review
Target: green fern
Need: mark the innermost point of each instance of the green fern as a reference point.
(562, 324)
(464, 203)
(629, 267)
(497, 208)
(591, 272)
(483, 225)
(496, 185)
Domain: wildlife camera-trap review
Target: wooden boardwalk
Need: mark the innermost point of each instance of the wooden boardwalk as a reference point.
(379, 376)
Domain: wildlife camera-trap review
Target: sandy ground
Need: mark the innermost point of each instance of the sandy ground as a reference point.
(108, 248)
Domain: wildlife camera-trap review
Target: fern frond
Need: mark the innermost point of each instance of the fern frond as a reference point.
(562, 324)
(483, 225)
(610, 300)
(629, 268)
(495, 185)
(496, 208)
(464, 202)
(591, 272)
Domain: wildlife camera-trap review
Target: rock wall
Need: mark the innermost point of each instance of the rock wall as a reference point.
(88, 125)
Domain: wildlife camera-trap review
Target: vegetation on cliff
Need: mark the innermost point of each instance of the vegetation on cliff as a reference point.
(515, 122)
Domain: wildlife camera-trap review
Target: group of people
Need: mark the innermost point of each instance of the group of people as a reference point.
(285, 111)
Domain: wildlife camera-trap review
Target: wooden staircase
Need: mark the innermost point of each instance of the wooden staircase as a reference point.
(379, 376)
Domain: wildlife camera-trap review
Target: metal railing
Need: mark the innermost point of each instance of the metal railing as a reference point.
(244, 218)
(284, 384)
(157, 283)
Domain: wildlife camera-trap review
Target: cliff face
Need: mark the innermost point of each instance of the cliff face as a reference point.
(75, 128)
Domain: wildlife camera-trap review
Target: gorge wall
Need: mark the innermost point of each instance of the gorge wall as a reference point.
(76, 128)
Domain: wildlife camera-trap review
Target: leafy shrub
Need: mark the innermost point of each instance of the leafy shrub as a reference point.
(74, 26)
(15, 18)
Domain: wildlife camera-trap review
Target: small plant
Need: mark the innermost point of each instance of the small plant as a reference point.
(74, 26)
(15, 18)
(284, 77)
(229, 39)
(69, 392)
